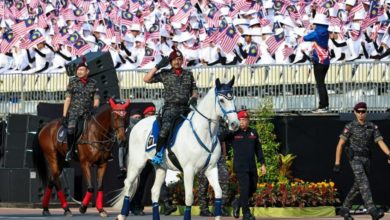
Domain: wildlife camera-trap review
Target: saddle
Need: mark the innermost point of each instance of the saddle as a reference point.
(62, 131)
(154, 134)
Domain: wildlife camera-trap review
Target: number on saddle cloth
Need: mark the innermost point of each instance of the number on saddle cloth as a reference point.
(153, 136)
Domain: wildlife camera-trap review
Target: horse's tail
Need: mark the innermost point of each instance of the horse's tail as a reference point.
(117, 201)
(39, 159)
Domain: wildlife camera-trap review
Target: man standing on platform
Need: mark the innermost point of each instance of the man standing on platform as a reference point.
(357, 136)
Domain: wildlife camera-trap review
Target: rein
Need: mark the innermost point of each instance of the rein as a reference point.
(214, 138)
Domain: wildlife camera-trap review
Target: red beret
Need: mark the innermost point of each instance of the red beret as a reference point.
(360, 105)
(83, 63)
(175, 54)
(242, 114)
(149, 109)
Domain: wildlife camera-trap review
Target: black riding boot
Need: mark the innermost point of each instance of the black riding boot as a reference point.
(169, 208)
(70, 154)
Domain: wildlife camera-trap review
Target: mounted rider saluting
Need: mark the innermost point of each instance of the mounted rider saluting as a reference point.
(81, 98)
(179, 91)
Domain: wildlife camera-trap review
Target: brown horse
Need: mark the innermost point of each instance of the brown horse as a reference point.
(94, 148)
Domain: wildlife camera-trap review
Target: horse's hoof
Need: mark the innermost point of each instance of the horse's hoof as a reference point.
(103, 213)
(68, 213)
(120, 217)
(46, 213)
(83, 209)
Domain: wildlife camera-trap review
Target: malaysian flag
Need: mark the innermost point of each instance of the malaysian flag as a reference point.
(74, 37)
(293, 12)
(127, 18)
(153, 33)
(253, 54)
(149, 56)
(34, 38)
(229, 41)
(1, 8)
(287, 51)
(61, 37)
(134, 5)
(9, 40)
(274, 42)
(183, 13)
(102, 46)
(355, 34)
(328, 4)
(354, 10)
(213, 17)
(42, 21)
(80, 47)
(24, 26)
(281, 6)
(19, 9)
(241, 5)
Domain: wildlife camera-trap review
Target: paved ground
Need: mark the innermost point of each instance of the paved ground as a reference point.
(26, 214)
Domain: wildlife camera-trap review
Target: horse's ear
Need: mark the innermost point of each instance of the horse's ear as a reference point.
(231, 82)
(217, 83)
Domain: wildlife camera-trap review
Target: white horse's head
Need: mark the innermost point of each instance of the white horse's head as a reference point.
(225, 99)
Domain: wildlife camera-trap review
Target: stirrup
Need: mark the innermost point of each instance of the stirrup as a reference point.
(158, 158)
(68, 156)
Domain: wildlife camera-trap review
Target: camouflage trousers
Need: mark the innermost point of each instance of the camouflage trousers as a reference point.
(360, 167)
(169, 114)
(223, 176)
(72, 121)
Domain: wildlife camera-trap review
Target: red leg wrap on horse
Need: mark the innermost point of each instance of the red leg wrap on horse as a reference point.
(46, 197)
(99, 200)
(87, 198)
(62, 199)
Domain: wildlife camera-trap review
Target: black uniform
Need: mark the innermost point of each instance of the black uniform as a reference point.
(358, 138)
(246, 146)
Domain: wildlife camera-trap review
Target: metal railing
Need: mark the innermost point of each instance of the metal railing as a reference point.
(290, 87)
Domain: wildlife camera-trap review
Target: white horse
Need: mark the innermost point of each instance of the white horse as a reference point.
(196, 147)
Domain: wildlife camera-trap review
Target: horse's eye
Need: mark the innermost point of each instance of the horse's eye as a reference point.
(222, 101)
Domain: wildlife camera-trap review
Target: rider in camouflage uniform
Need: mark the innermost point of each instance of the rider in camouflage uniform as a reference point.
(81, 97)
(358, 135)
(179, 91)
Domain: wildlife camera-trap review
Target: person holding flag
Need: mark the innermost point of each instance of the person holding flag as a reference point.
(320, 58)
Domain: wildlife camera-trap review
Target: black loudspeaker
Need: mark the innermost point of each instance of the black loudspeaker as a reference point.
(108, 84)
(23, 185)
(18, 150)
(14, 158)
(14, 185)
(97, 62)
(37, 190)
(24, 122)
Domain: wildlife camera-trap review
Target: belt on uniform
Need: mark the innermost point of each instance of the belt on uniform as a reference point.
(361, 154)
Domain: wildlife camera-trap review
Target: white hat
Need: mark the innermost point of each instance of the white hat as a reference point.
(224, 11)
(49, 8)
(350, 2)
(135, 27)
(254, 22)
(247, 32)
(355, 26)
(176, 25)
(202, 36)
(139, 38)
(251, 11)
(278, 31)
(335, 29)
(240, 21)
(185, 36)
(164, 33)
(86, 27)
(255, 31)
(320, 19)
(100, 29)
(332, 12)
(268, 4)
(113, 41)
(359, 15)
(287, 21)
(266, 30)
(129, 39)
(90, 39)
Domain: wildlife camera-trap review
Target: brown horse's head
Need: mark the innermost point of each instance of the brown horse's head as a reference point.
(118, 118)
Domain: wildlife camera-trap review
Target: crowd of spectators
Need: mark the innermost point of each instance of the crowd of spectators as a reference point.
(42, 35)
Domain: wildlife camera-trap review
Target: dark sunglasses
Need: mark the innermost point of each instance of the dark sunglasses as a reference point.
(361, 111)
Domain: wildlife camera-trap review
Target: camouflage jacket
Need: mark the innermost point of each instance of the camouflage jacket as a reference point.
(82, 96)
(359, 136)
(177, 89)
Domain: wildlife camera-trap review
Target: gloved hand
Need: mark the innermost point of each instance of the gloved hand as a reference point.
(193, 101)
(337, 168)
(163, 63)
(64, 121)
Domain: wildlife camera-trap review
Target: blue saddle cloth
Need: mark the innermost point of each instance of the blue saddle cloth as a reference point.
(153, 136)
